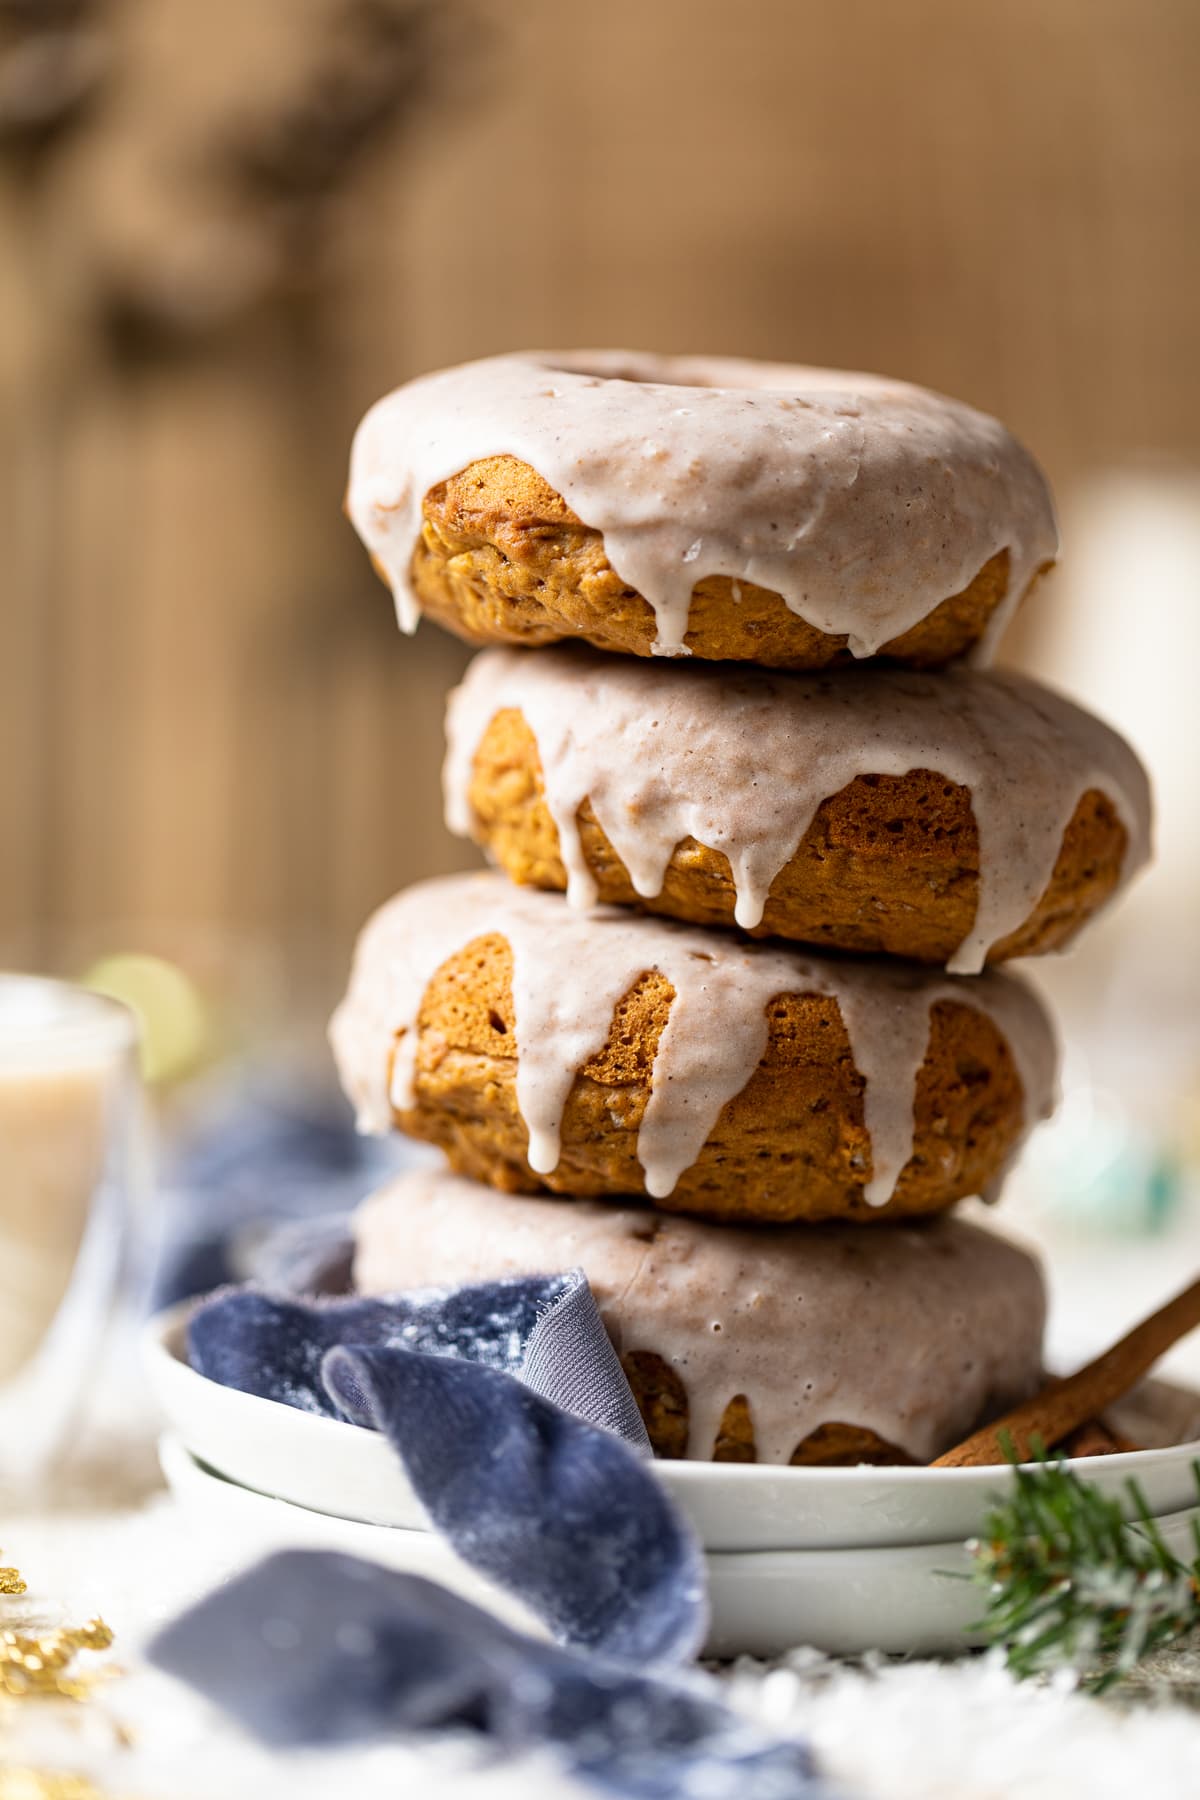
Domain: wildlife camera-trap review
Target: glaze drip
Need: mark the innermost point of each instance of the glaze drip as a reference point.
(741, 760)
(913, 1332)
(570, 971)
(864, 502)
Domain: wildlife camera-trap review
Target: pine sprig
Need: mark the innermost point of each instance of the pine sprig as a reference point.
(1072, 1583)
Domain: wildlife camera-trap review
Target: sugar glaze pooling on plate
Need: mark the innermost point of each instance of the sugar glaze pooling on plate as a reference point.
(913, 1334)
(741, 760)
(864, 502)
(570, 971)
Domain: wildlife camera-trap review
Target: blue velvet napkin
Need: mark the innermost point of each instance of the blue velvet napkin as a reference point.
(544, 1328)
(567, 1517)
(314, 1648)
(558, 1507)
(509, 1412)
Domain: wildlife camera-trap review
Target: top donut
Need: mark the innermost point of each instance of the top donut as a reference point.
(716, 507)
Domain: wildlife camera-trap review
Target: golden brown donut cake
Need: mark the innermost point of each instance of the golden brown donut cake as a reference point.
(613, 1054)
(958, 817)
(741, 1345)
(727, 509)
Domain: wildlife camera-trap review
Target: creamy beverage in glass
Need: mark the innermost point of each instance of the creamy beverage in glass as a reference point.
(67, 1089)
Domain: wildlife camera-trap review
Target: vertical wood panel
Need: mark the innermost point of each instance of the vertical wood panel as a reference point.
(999, 199)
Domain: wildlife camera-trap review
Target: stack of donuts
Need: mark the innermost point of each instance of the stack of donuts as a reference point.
(727, 1025)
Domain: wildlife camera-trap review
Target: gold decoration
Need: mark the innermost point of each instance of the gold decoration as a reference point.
(43, 1663)
(45, 1784)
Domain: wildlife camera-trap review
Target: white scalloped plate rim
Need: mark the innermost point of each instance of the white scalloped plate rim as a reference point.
(338, 1469)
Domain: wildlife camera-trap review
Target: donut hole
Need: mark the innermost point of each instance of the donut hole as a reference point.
(631, 372)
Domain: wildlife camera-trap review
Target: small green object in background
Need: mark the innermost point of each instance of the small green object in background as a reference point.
(174, 1021)
(1073, 1584)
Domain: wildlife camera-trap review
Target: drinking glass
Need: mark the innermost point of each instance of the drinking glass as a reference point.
(71, 1160)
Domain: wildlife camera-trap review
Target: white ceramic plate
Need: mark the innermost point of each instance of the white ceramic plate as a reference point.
(906, 1599)
(342, 1470)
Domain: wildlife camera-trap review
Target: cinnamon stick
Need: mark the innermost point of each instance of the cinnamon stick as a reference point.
(1065, 1404)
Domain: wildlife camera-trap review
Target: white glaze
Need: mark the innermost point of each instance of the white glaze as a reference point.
(740, 759)
(864, 502)
(909, 1331)
(569, 972)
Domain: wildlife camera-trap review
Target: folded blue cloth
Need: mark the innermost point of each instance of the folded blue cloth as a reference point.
(508, 1409)
(567, 1517)
(274, 1345)
(560, 1509)
(314, 1648)
(544, 1328)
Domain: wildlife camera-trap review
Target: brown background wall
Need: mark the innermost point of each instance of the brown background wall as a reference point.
(208, 724)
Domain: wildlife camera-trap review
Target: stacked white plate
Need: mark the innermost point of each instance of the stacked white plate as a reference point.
(842, 1559)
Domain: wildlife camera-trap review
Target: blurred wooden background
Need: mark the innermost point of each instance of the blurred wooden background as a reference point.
(224, 229)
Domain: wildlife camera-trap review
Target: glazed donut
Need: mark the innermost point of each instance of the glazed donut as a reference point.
(962, 817)
(827, 1345)
(735, 510)
(613, 1054)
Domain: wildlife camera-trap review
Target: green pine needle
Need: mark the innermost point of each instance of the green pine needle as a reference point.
(1073, 1584)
